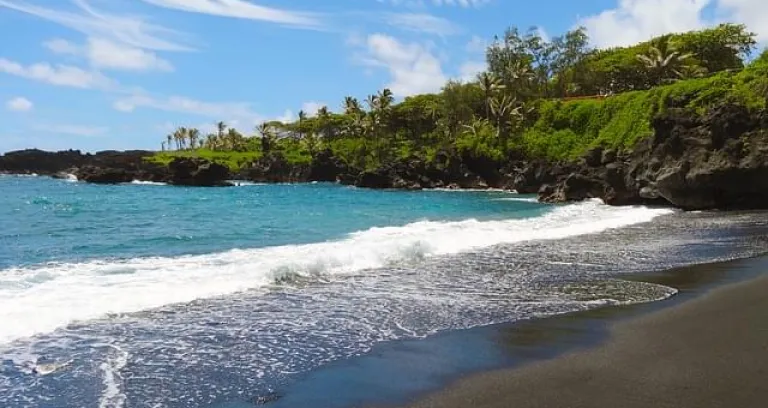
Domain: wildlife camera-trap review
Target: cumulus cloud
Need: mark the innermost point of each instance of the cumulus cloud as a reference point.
(632, 21)
(412, 67)
(311, 107)
(753, 13)
(19, 104)
(469, 70)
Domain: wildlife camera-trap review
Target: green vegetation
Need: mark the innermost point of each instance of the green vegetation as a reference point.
(544, 99)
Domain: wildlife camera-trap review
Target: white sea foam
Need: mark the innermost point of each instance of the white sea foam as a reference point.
(242, 183)
(71, 178)
(41, 298)
(112, 396)
(148, 183)
(471, 190)
(520, 199)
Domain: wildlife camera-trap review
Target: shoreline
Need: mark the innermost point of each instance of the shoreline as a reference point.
(395, 374)
(705, 347)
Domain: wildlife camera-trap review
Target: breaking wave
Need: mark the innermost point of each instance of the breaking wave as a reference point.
(39, 299)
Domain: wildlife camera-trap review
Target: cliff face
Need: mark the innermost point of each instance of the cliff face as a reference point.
(718, 160)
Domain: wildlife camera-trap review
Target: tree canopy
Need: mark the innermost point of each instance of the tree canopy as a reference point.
(538, 97)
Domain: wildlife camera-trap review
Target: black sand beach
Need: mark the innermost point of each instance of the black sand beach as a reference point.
(711, 351)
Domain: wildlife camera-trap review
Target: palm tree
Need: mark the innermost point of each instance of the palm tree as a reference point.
(162, 146)
(211, 142)
(324, 119)
(690, 71)
(221, 127)
(518, 75)
(473, 128)
(664, 61)
(194, 137)
(373, 102)
(169, 139)
(300, 124)
(265, 131)
(508, 113)
(234, 139)
(489, 83)
(385, 98)
(351, 105)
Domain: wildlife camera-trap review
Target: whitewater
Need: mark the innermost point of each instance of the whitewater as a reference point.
(41, 298)
(143, 294)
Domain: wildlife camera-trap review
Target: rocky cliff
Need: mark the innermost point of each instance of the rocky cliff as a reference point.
(693, 161)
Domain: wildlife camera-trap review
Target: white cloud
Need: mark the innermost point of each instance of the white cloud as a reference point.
(230, 112)
(412, 67)
(74, 130)
(61, 75)
(462, 3)
(423, 3)
(422, 23)
(130, 30)
(633, 21)
(476, 45)
(19, 104)
(311, 108)
(753, 13)
(107, 54)
(287, 116)
(241, 9)
(469, 70)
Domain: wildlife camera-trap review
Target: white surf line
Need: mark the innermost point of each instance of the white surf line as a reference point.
(42, 298)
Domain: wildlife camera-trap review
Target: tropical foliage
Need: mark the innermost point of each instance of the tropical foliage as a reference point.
(538, 97)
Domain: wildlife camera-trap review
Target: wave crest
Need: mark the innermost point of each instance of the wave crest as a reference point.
(42, 298)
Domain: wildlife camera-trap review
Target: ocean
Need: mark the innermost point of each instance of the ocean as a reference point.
(146, 295)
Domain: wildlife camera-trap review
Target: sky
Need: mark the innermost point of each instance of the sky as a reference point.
(120, 74)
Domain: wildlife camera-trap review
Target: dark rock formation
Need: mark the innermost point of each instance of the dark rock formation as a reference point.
(197, 172)
(327, 167)
(414, 174)
(103, 175)
(112, 167)
(714, 161)
(719, 160)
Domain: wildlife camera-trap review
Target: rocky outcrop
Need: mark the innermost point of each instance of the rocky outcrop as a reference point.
(197, 173)
(718, 160)
(113, 167)
(274, 168)
(415, 174)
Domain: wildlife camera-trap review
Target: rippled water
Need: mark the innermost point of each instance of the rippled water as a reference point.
(143, 295)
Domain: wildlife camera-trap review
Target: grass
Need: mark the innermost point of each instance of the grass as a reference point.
(234, 160)
(565, 130)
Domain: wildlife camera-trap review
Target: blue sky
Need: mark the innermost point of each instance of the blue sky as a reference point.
(119, 74)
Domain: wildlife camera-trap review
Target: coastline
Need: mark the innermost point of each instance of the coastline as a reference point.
(705, 349)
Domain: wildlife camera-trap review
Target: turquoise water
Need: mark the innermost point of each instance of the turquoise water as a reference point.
(152, 295)
(48, 220)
